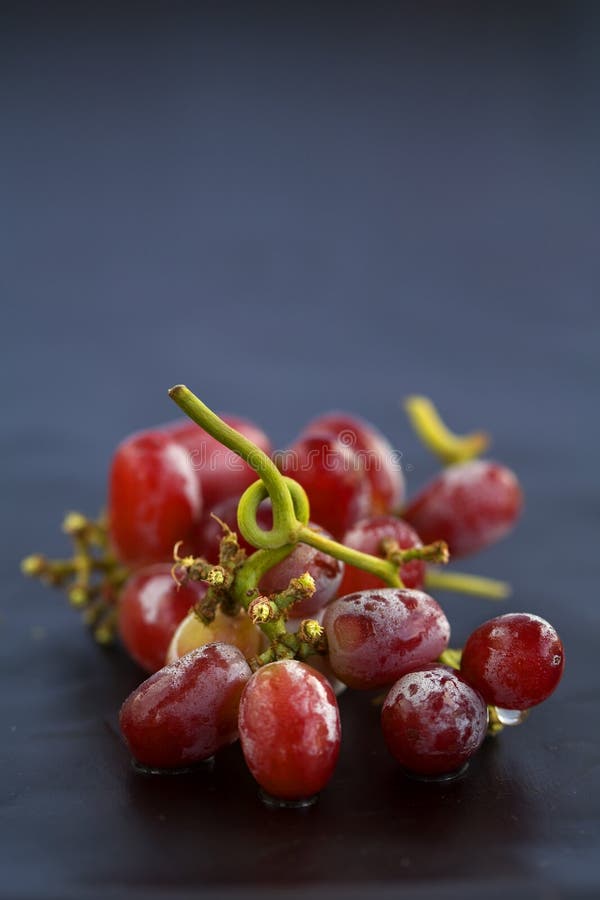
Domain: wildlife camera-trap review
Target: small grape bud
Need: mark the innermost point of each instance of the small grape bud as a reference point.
(263, 610)
(304, 585)
(215, 576)
(33, 565)
(78, 596)
(310, 631)
(74, 523)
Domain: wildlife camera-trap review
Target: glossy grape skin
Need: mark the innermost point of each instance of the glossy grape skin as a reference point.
(515, 661)
(381, 465)
(239, 631)
(469, 505)
(326, 571)
(187, 710)
(154, 500)
(151, 607)
(220, 471)
(376, 636)
(333, 478)
(433, 721)
(367, 536)
(290, 729)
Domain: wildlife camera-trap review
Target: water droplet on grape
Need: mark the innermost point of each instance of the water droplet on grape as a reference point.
(511, 716)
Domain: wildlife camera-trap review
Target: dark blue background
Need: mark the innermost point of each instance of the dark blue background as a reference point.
(294, 208)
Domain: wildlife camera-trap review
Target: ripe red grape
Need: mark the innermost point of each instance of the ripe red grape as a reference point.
(238, 630)
(334, 479)
(515, 661)
(154, 499)
(433, 721)
(376, 636)
(367, 536)
(470, 506)
(380, 462)
(290, 729)
(150, 609)
(221, 472)
(188, 710)
(326, 571)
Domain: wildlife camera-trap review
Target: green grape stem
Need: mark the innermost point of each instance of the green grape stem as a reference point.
(288, 499)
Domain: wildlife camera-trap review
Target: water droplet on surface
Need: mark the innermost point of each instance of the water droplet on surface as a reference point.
(281, 803)
(203, 765)
(437, 779)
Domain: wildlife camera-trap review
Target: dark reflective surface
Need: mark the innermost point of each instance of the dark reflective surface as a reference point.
(294, 210)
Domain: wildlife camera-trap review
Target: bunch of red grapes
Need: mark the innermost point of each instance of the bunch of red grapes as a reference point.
(215, 675)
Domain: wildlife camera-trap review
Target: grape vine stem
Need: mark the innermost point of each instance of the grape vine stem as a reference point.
(450, 448)
(288, 498)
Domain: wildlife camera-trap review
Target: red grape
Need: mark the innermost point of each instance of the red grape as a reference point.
(381, 465)
(433, 721)
(188, 710)
(515, 661)
(326, 571)
(154, 499)
(334, 479)
(367, 536)
(150, 609)
(470, 506)
(376, 636)
(221, 472)
(290, 729)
